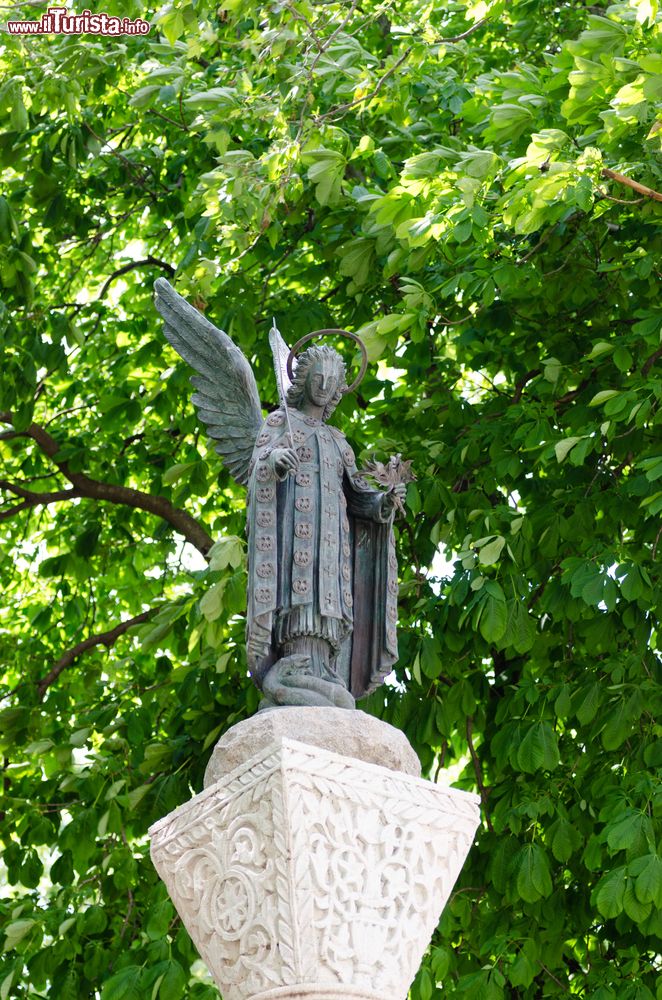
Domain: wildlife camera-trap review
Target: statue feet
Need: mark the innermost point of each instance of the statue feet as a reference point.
(291, 681)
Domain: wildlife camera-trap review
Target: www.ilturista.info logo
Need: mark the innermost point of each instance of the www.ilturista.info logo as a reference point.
(60, 21)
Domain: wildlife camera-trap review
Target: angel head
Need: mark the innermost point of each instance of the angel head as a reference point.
(320, 376)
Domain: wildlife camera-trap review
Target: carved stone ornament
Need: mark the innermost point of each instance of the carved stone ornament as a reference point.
(307, 874)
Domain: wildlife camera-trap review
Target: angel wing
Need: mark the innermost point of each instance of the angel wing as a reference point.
(227, 399)
(280, 352)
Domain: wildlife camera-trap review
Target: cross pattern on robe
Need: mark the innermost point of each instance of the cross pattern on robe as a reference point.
(328, 461)
(330, 511)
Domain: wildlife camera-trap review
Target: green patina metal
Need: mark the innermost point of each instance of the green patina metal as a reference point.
(322, 571)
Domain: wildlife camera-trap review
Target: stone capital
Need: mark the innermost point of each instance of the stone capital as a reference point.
(307, 874)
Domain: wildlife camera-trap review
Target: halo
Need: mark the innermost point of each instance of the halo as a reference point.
(322, 333)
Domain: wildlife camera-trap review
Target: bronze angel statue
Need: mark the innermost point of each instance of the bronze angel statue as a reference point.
(322, 574)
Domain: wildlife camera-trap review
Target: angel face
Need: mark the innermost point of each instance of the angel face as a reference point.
(319, 382)
(322, 381)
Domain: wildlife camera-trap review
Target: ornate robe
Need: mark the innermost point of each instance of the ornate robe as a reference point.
(321, 556)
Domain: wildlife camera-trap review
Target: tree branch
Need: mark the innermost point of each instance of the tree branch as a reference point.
(465, 34)
(573, 393)
(131, 266)
(620, 201)
(540, 589)
(36, 498)
(478, 772)
(396, 65)
(31, 499)
(649, 362)
(101, 639)
(373, 93)
(132, 168)
(182, 125)
(541, 242)
(298, 16)
(613, 175)
(553, 977)
(93, 489)
(522, 383)
(465, 319)
(321, 50)
(10, 512)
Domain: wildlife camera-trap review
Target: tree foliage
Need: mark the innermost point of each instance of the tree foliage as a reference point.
(474, 187)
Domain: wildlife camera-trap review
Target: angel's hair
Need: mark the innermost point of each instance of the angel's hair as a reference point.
(295, 394)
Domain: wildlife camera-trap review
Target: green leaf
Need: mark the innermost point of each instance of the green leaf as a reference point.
(508, 121)
(523, 971)
(610, 892)
(561, 448)
(211, 604)
(80, 737)
(136, 795)
(622, 359)
(552, 370)
(172, 25)
(564, 839)
(589, 705)
(632, 585)
(424, 984)
(520, 629)
(144, 96)
(176, 472)
(627, 830)
(154, 634)
(356, 260)
(159, 920)
(602, 347)
(617, 727)
(6, 985)
(489, 554)
(440, 959)
(563, 703)
(604, 396)
(124, 985)
(648, 883)
(19, 116)
(173, 983)
(430, 658)
(16, 931)
(227, 551)
(538, 749)
(493, 619)
(31, 870)
(533, 878)
(327, 174)
(635, 909)
(580, 451)
(95, 920)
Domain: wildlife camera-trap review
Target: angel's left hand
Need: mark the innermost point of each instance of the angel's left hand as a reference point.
(395, 496)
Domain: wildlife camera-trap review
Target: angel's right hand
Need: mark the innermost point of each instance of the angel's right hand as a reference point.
(284, 461)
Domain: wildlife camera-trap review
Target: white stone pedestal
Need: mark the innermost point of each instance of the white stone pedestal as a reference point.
(352, 734)
(306, 874)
